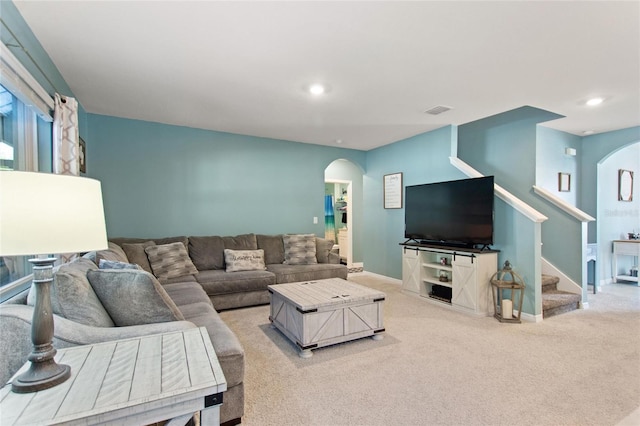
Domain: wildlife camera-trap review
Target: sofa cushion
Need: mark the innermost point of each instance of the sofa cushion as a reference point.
(73, 297)
(241, 242)
(273, 247)
(323, 248)
(158, 241)
(112, 264)
(216, 282)
(113, 253)
(228, 349)
(133, 297)
(207, 252)
(184, 293)
(299, 249)
(295, 273)
(136, 254)
(170, 261)
(244, 260)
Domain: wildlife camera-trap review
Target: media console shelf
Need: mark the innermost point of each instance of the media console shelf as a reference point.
(459, 278)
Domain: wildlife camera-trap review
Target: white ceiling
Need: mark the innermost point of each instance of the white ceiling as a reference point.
(242, 67)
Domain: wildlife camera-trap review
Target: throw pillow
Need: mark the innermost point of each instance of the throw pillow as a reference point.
(72, 296)
(136, 254)
(133, 297)
(299, 249)
(112, 264)
(170, 261)
(244, 260)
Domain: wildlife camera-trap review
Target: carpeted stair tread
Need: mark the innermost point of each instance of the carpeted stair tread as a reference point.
(556, 302)
(549, 282)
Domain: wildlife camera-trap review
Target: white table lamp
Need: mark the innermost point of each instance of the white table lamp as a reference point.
(44, 214)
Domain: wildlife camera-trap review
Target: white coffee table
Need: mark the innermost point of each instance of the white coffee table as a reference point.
(127, 382)
(319, 313)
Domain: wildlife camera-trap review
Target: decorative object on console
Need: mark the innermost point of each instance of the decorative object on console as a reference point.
(504, 305)
(67, 217)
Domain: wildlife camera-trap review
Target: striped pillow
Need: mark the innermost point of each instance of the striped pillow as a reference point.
(299, 249)
(170, 261)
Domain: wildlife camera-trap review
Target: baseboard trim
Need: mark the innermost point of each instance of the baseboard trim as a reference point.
(373, 274)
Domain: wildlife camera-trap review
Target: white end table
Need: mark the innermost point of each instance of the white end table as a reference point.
(132, 381)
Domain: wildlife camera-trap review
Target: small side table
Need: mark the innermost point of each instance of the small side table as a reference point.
(132, 381)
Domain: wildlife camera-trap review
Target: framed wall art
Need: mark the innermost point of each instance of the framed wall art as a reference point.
(625, 185)
(392, 191)
(82, 157)
(564, 182)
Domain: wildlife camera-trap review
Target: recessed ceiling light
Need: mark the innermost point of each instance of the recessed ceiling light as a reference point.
(594, 101)
(317, 89)
(338, 141)
(588, 132)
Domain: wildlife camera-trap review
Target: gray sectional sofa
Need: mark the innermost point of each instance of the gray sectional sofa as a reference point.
(174, 286)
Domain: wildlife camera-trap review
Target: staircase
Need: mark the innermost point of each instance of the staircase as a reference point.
(554, 301)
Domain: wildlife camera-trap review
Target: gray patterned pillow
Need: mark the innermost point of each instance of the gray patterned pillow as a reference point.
(113, 264)
(244, 260)
(133, 297)
(299, 249)
(170, 261)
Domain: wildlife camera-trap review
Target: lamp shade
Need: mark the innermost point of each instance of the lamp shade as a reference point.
(42, 213)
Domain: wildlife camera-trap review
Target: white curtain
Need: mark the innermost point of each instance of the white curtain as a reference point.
(66, 145)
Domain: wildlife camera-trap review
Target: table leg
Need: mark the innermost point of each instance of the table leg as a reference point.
(210, 416)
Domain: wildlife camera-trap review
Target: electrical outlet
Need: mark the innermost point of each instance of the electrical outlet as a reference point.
(315, 220)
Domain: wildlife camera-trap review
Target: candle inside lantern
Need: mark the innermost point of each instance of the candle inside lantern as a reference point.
(507, 308)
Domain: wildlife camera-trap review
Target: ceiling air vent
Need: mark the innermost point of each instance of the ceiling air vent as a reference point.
(438, 109)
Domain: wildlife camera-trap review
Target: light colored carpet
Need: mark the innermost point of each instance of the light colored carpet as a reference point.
(439, 367)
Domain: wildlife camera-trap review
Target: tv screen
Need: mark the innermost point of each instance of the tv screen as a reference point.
(458, 212)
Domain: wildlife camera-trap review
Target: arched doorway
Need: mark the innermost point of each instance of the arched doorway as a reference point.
(615, 218)
(344, 188)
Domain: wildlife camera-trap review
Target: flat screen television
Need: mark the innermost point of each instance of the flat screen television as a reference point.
(453, 213)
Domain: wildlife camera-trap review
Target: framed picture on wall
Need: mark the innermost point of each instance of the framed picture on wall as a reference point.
(564, 182)
(82, 156)
(392, 191)
(625, 185)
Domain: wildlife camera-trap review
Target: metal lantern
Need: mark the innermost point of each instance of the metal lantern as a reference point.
(504, 305)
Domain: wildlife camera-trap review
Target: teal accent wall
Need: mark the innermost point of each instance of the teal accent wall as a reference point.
(421, 159)
(162, 180)
(551, 160)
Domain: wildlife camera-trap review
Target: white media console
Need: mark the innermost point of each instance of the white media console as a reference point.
(458, 278)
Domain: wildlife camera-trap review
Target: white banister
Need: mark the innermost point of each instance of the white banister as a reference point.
(501, 193)
(563, 205)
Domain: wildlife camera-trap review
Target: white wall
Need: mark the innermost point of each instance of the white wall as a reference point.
(617, 218)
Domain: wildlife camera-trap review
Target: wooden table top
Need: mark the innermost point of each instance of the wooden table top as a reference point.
(308, 295)
(128, 378)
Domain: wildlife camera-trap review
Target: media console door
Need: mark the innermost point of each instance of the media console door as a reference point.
(411, 271)
(468, 275)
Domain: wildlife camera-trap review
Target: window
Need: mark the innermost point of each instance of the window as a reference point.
(18, 151)
(25, 124)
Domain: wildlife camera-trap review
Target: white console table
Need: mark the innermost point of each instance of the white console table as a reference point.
(125, 382)
(625, 248)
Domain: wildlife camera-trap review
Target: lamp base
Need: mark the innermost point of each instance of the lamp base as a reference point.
(40, 376)
(44, 372)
